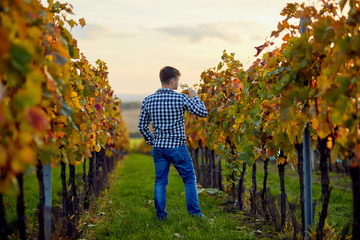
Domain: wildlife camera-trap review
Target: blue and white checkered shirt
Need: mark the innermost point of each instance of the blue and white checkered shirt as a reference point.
(165, 109)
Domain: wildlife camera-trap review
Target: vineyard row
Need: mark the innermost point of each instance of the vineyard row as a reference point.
(310, 81)
(55, 107)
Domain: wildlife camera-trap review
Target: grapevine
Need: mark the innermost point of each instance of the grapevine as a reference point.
(54, 105)
(311, 78)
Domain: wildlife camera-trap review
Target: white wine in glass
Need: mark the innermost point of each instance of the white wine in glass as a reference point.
(184, 86)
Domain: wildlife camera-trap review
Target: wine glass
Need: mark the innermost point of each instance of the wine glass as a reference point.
(183, 86)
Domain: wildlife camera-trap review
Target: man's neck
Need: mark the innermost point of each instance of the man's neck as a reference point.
(166, 86)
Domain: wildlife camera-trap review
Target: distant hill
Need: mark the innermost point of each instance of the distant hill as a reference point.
(131, 97)
(130, 105)
(131, 118)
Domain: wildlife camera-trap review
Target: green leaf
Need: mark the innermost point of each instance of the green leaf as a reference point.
(27, 97)
(86, 90)
(355, 44)
(67, 35)
(247, 91)
(345, 44)
(72, 23)
(45, 156)
(66, 109)
(60, 59)
(244, 156)
(226, 125)
(303, 63)
(344, 82)
(73, 125)
(20, 58)
(74, 51)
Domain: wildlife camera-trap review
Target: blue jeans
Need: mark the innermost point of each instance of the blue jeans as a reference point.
(181, 159)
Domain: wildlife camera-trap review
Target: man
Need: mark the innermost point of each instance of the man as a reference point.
(165, 109)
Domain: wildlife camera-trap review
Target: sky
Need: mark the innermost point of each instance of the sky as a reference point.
(136, 38)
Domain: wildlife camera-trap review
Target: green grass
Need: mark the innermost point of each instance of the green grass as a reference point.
(134, 142)
(131, 214)
(128, 210)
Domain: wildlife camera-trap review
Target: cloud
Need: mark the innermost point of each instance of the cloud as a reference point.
(96, 31)
(120, 35)
(90, 31)
(233, 32)
(198, 33)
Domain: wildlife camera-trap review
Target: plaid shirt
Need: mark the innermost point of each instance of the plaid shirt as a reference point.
(165, 109)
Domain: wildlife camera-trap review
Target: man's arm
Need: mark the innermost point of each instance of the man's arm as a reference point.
(194, 105)
(144, 122)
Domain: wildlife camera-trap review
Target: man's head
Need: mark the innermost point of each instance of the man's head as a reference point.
(169, 77)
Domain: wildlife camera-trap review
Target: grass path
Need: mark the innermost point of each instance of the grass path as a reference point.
(126, 210)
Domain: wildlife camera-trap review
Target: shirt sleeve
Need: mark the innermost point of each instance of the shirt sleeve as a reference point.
(144, 122)
(195, 106)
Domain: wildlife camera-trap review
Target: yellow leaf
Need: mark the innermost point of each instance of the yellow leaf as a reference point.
(75, 100)
(291, 157)
(97, 148)
(257, 155)
(83, 127)
(343, 136)
(329, 143)
(16, 165)
(9, 185)
(315, 123)
(58, 135)
(239, 119)
(92, 142)
(65, 156)
(321, 127)
(82, 22)
(281, 160)
(26, 155)
(67, 92)
(25, 139)
(75, 137)
(334, 153)
(109, 153)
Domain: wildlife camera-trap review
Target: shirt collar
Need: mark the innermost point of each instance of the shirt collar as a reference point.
(165, 90)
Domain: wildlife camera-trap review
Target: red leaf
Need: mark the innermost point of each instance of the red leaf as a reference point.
(261, 47)
(98, 106)
(5, 42)
(37, 118)
(2, 117)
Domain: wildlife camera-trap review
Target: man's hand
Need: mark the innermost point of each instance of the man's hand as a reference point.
(192, 92)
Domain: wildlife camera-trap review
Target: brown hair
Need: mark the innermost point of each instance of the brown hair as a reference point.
(167, 73)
